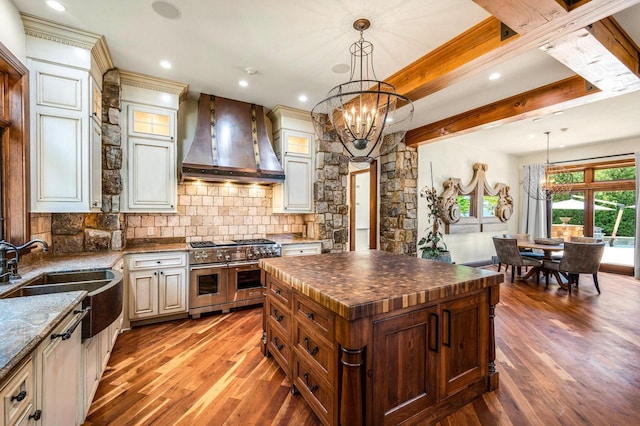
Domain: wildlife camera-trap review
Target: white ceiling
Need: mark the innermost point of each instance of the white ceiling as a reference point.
(293, 45)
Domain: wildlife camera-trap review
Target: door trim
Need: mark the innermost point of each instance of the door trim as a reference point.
(373, 206)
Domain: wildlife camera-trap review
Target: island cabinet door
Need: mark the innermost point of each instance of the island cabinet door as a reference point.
(465, 337)
(405, 353)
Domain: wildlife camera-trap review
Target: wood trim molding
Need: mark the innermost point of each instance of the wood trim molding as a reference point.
(14, 138)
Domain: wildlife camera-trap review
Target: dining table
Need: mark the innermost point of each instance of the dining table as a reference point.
(547, 250)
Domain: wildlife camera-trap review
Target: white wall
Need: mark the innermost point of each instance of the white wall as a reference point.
(12, 30)
(453, 159)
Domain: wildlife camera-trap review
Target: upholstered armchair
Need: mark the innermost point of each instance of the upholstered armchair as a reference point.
(578, 258)
(574, 239)
(509, 254)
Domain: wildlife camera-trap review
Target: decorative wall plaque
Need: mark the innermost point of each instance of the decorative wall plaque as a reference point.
(477, 206)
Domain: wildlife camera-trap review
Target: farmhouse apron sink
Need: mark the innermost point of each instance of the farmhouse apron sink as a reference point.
(104, 288)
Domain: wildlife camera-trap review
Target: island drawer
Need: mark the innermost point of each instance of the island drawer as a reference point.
(280, 317)
(316, 391)
(316, 350)
(279, 347)
(17, 395)
(279, 291)
(318, 318)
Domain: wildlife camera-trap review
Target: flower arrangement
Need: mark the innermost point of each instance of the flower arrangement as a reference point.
(432, 245)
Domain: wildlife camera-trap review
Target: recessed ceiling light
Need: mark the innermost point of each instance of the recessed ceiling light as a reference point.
(538, 119)
(165, 64)
(243, 83)
(302, 98)
(495, 76)
(250, 71)
(166, 9)
(56, 5)
(558, 112)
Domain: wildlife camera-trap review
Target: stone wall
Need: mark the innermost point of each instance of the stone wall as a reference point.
(399, 200)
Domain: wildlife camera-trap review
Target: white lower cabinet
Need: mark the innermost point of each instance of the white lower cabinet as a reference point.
(18, 396)
(95, 356)
(59, 358)
(302, 249)
(157, 285)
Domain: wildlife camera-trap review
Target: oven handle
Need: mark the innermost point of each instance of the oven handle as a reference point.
(198, 268)
(234, 264)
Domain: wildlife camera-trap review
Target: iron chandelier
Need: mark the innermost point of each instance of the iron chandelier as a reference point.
(539, 183)
(367, 115)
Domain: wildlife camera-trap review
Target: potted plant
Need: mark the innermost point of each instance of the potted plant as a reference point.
(432, 245)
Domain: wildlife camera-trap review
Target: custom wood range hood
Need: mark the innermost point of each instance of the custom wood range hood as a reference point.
(231, 144)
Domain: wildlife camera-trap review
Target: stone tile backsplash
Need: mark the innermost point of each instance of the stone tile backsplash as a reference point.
(216, 211)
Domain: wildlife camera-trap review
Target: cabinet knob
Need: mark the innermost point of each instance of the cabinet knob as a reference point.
(20, 396)
(36, 416)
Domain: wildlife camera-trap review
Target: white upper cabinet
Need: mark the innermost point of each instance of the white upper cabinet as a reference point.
(294, 145)
(65, 78)
(148, 120)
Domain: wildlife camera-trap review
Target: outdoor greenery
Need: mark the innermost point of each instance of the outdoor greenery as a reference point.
(605, 219)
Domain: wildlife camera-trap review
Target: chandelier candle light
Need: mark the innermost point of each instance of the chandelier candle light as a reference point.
(539, 184)
(368, 116)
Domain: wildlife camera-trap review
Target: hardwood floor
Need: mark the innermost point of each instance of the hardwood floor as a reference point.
(563, 360)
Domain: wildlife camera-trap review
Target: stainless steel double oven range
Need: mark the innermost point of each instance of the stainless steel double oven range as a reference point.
(225, 275)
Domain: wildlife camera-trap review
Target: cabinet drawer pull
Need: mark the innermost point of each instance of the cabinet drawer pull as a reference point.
(20, 396)
(276, 316)
(437, 333)
(67, 334)
(280, 346)
(313, 388)
(448, 342)
(310, 315)
(311, 351)
(277, 291)
(36, 416)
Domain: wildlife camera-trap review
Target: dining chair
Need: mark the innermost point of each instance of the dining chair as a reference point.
(578, 258)
(508, 253)
(575, 239)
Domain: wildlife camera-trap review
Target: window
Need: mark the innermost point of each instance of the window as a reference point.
(601, 204)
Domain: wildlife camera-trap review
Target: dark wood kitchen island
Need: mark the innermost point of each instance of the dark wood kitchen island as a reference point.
(375, 338)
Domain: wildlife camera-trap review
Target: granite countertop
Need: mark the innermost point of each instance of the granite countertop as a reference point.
(284, 239)
(364, 283)
(27, 321)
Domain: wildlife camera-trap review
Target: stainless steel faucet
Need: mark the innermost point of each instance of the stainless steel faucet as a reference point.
(9, 269)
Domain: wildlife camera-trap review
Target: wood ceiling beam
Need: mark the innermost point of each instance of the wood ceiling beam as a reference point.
(601, 53)
(452, 61)
(566, 93)
(479, 48)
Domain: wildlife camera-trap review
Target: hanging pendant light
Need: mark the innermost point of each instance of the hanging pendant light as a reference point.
(540, 180)
(368, 116)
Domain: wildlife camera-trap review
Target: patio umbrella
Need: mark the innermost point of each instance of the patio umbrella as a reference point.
(574, 205)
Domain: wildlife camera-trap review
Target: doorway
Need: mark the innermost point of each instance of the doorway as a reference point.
(363, 212)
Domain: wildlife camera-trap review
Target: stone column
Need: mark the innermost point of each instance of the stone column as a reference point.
(330, 194)
(399, 200)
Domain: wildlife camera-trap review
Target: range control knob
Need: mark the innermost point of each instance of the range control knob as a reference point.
(249, 255)
(219, 256)
(227, 257)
